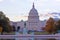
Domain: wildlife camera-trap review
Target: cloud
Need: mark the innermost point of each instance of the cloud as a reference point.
(58, 0)
(1, 0)
(12, 0)
(30, 0)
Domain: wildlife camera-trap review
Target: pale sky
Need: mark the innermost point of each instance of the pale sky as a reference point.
(17, 10)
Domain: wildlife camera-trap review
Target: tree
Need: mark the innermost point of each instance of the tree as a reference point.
(58, 25)
(5, 23)
(1, 28)
(50, 26)
(14, 29)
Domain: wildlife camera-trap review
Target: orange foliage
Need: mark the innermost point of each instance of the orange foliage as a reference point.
(1, 29)
(50, 25)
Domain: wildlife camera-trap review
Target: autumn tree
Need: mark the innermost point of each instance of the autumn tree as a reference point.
(50, 26)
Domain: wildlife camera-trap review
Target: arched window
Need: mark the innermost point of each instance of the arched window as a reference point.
(18, 28)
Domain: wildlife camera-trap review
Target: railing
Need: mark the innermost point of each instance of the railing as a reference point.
(28, 36)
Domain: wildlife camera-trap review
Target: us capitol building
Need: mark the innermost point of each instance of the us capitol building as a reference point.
(33, 22)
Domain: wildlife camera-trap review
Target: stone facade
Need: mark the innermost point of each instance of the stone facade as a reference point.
(33, 22)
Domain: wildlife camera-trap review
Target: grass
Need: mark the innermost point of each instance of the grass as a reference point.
(10, 33)
(41, 33)
(35, 33)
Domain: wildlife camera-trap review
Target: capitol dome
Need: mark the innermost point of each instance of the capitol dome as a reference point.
(33, 22)
(33, 11)
(33, 15)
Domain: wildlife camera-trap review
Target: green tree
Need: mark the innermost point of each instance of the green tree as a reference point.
(5, 23)
(14, 29)
(58, 25)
